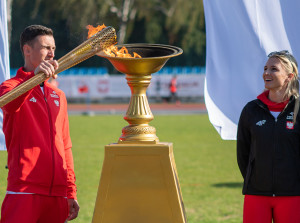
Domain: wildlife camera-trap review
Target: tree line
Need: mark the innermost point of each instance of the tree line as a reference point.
(173, 22)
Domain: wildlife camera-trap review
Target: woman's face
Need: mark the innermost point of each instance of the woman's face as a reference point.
(275, 76)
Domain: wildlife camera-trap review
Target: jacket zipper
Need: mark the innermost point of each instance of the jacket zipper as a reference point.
(51, 142)
(275, 148)
(273, 158)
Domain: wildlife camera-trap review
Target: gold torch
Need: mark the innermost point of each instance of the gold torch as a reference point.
(87, 49)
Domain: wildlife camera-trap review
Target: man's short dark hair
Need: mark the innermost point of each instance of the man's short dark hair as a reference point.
(30, 32)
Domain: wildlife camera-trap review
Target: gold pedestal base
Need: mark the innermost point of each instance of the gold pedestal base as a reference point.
(139, 184)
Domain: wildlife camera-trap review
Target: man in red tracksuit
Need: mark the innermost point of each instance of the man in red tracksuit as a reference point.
(41, 180)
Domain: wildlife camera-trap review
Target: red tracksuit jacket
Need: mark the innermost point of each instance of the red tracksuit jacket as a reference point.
(37, 138)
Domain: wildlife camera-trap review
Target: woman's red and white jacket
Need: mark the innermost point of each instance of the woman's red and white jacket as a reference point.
(36, 129)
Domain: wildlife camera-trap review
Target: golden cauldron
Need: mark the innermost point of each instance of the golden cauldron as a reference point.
(138, 74)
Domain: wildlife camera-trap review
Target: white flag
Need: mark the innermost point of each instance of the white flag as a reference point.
(240, 34)
(4, 59)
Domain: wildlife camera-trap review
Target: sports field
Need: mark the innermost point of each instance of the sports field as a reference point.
(210, 181)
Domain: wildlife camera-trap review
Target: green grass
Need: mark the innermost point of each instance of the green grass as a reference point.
(209, 178)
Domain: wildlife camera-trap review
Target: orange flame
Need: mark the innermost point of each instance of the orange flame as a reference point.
(93, 30)
(113, 50)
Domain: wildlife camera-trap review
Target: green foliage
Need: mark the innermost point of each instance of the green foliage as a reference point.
(174, 22)
(210, 181)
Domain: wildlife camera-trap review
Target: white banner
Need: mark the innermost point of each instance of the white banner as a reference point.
(115, 86)
(240, 34)
(94, 86)
(4, 60)
(190, 85)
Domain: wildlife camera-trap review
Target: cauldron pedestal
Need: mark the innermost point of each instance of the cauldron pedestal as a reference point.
(139, 182)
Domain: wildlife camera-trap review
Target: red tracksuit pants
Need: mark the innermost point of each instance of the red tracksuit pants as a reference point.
(262, 209)
(33, 208)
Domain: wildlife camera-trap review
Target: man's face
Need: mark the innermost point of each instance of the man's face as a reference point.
(42, 48)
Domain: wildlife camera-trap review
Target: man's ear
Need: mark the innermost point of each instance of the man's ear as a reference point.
(26, 49)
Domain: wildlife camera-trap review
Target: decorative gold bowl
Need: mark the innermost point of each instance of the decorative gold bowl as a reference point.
(138, 74)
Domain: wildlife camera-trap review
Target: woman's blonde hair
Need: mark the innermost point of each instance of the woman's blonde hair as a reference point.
(291, 66)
